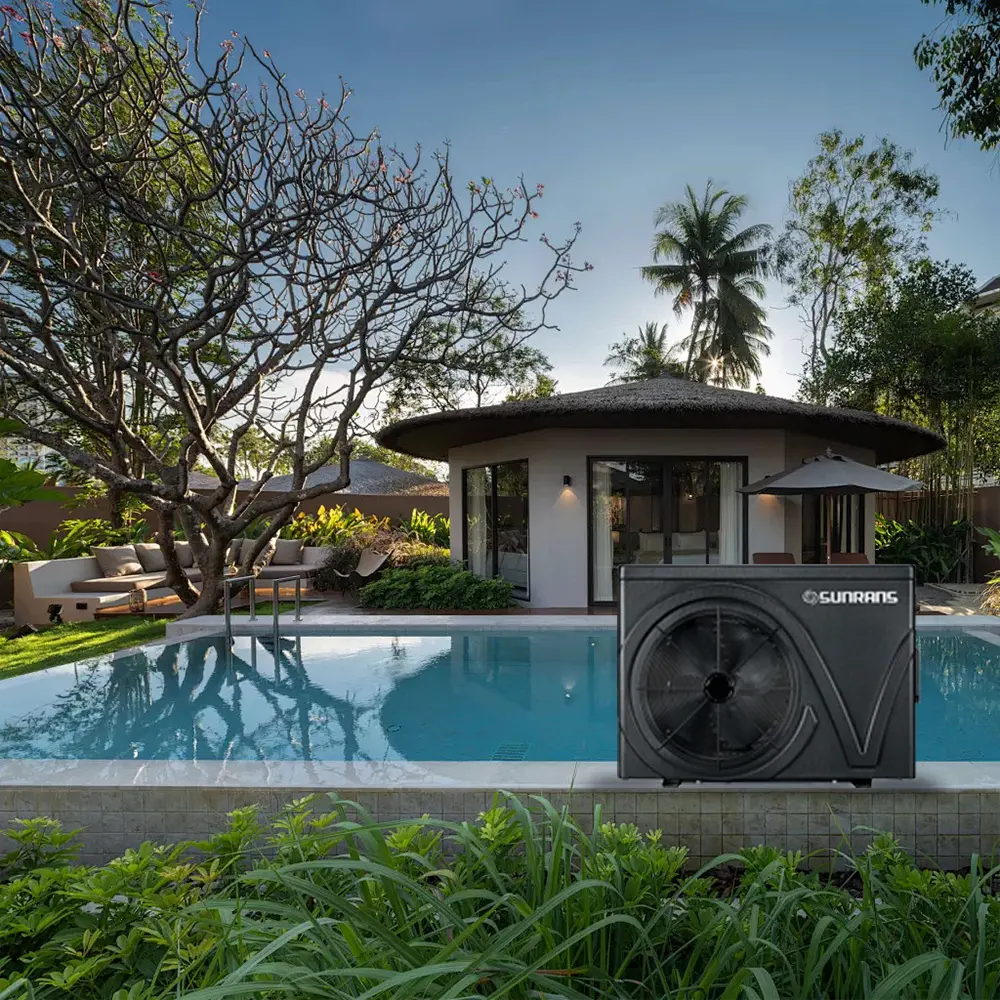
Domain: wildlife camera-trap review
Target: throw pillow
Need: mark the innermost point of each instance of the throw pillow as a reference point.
(151, 556)
(117, 560)
(184, 554)
(287, 552)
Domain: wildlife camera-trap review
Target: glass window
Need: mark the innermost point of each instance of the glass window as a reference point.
(496, 522)
(658, 510)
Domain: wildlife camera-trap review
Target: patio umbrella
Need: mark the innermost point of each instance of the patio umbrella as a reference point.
(831, 474)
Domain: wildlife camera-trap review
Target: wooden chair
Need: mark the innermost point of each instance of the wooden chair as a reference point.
(848, 559)
(369, 563)
(774, 558)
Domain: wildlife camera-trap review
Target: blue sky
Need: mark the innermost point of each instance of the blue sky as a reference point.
(615, 107)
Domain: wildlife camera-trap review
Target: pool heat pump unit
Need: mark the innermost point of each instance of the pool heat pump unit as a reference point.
(767, 673)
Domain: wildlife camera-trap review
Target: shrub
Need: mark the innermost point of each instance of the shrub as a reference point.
(411, 554)
(437, 588)
(433, 529)
(518, 903)
(935, 553)
(334, 525)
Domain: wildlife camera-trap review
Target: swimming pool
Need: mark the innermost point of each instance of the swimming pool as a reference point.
(538, 695)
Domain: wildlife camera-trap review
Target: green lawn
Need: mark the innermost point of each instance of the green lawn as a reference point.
(264, 609)
(75, 641)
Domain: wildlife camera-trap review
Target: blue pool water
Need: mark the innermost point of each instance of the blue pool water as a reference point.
(543, 695)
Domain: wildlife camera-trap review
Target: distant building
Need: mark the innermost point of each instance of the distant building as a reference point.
(368, 477)
(22, 452)
(988, 297)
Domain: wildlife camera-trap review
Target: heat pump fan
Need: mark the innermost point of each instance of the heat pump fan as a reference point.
(766, 672)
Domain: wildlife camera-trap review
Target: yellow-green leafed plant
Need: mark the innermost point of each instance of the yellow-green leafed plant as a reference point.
(334, 526)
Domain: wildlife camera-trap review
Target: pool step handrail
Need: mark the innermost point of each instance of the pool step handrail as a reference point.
(227, 600)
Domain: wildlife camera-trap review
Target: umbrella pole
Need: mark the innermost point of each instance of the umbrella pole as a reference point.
(829, 528)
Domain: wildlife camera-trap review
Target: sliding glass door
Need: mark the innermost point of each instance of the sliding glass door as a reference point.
(495, 498)
(663, 510)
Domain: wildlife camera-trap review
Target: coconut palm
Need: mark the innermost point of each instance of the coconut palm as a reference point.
(645, 356)
(701, 255)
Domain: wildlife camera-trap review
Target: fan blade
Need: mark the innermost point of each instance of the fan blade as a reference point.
(697, 734)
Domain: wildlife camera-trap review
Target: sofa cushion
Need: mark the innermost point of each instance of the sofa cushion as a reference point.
(117, 560)
(315, 555)
(119, 584)
(184, 554)
(151, 556)
(287, 552)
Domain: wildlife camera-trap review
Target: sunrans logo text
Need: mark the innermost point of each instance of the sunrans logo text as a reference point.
(814, 597)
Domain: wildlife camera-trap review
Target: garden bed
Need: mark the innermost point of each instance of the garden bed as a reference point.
(519, 902)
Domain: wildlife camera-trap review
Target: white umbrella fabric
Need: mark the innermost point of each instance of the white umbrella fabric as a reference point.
(831, 475)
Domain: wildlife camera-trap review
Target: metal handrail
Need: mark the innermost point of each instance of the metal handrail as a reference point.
(297, 580)
(227, 601)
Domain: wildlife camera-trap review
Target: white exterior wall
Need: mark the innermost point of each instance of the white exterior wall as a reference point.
(557, 514)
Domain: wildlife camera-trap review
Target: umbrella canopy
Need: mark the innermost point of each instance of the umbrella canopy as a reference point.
(832, 473)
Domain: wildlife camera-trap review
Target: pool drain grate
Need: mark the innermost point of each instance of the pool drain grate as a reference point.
(510, 751)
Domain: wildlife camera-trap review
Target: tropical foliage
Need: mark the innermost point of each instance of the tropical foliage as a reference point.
(648, 355)
(519, 903)
(333, 525)
(435, 587)
(938, 554)
(991, 597)
(707, 264)
(74, 537)
(19, 485)
(433, 529)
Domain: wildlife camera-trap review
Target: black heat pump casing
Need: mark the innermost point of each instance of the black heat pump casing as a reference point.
(767, 673)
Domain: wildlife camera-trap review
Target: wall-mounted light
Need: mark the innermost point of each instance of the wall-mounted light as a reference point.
(567, 480)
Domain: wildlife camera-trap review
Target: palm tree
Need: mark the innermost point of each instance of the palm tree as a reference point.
(702, 257)
(646, 356)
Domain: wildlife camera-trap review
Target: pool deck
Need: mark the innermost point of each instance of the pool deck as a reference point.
(949, 811)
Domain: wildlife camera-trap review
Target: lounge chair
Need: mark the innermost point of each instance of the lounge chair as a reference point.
(774, 558)
(848, 559)
(369, 563)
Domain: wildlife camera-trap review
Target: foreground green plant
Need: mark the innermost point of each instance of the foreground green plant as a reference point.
(75, 641)
(521, 903)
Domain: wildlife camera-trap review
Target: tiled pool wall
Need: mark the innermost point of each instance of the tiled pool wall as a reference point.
(941, 828)
(944, 816)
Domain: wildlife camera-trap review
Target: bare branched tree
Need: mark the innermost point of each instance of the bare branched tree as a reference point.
(191, 252)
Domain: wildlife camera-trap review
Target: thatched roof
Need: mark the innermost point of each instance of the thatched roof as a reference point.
(663, 402)
(367, 477)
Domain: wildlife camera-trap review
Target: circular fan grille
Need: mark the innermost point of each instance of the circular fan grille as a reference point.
(717, 685)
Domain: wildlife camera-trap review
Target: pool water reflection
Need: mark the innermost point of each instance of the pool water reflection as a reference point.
(542, 695)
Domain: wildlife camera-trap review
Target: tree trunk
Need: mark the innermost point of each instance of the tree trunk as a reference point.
(213, 577)
(115, 498)
(176, 578)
